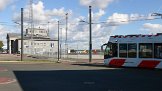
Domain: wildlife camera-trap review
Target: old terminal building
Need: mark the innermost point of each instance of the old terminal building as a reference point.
(36, 41)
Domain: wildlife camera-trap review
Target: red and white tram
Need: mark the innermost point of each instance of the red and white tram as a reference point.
(134, 51)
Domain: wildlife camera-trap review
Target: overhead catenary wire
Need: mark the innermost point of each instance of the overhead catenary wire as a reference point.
(108, 21)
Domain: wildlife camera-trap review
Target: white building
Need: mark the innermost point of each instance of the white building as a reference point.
(36, 42)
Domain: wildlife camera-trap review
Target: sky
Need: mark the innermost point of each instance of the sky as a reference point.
(109, 17)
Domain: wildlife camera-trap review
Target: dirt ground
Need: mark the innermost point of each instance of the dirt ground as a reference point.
(71, 58)
(17, 57)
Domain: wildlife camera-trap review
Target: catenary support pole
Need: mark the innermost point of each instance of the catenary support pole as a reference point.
(90, 35)
(58, 42)
(22, 38)
(66, 44)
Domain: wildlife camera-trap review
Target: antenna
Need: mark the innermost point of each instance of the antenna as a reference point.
(31, 18)
(31, 24)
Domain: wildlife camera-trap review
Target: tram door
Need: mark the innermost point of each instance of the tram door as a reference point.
(114, 49)
(158, 50)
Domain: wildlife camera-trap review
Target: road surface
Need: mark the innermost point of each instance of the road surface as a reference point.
(78, 77)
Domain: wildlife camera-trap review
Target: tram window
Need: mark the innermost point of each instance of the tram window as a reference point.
(123, 50)
(158, 50)
(107, 50)
(114, 50)
(132, 50)
(145, 50)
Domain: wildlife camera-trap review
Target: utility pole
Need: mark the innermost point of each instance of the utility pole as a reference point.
(66, 45)
(90, 35)
(48, 28)
(58, 42)
(22, 38)
(61, 43)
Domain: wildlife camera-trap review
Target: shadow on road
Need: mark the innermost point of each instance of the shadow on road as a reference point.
(90, 80)
(92, 65)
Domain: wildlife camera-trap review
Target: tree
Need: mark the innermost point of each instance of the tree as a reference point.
(1, 45)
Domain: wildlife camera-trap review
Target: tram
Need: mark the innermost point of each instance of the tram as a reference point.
(144, 51)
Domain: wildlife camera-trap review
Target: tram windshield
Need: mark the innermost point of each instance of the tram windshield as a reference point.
(110, 50)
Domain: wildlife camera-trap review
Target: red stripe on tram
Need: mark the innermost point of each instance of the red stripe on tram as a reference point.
(117, 62)
(148, 63)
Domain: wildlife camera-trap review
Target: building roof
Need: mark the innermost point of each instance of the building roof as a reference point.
(28, 37)
(40, 39)
(17, 35)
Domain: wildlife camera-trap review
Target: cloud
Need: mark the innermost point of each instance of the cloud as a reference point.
(3, 30)
(4, 3)
(3, 33)
(152, 28)
(119, 19)
(57, 12)
(40, 14)
(96, 16)
(96, 3)
(78, 33)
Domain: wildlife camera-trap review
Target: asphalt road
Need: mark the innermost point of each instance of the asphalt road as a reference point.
(78, 77)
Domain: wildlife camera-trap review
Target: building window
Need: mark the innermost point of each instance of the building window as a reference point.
(158, 50)
(44, 44)
(145, 50)
(25, 43)
(52, 44)
(123, 50)
(27, 31)
(132, 50)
